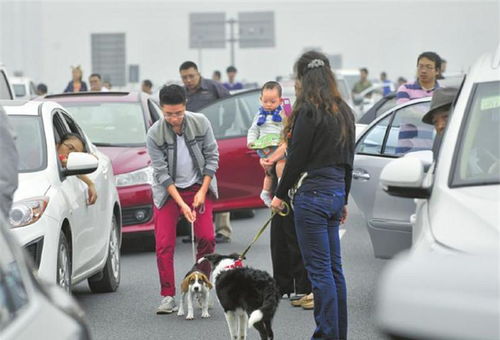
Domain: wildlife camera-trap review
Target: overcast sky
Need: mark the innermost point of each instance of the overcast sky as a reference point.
(43, 38)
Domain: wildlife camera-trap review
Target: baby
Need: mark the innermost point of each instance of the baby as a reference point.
(264, 134)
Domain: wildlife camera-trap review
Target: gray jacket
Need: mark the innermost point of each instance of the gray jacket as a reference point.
(162, 148)
(8, 171)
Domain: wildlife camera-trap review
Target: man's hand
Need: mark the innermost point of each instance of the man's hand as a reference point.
(199, 199)
(92, 194)
(343, 218)
(188, 213)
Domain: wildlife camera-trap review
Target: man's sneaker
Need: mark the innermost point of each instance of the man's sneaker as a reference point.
(219, 238)
(167, 306)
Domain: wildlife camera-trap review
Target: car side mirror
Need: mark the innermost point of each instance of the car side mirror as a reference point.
(403, 177)
(80, 163)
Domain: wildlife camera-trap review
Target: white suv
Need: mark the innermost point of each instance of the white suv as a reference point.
(447, 285)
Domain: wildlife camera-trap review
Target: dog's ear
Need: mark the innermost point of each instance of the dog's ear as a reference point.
(212, 258)
(185, 284)
(207, 281)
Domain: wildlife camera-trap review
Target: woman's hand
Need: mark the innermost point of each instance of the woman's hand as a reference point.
(266, 163)
(343, 218)
(188, 213)
(92, 194)
(277, 204)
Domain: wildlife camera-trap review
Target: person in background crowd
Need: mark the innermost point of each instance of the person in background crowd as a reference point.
(231, 84)
(428, 68)
(401, 81)
(216, 76)
(41, 89)
(363, 82)
(183, 183)
(443, 69)
(147, 86)
(388, 86)
(95, 81)
(76, 84)
(8, 171)
(201, 92)
(318, 169)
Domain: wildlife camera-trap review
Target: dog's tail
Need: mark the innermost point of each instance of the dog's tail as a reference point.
(268, 308)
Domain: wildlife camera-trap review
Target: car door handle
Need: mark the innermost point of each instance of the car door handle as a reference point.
(360, 174)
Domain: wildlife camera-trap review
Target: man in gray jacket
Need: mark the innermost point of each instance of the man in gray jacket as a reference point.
(8, 171)
(184, 157)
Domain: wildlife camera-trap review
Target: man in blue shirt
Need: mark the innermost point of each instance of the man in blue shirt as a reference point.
(232, 84)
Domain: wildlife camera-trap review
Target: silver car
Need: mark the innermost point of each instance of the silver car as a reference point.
(30, 309)
(392, 135)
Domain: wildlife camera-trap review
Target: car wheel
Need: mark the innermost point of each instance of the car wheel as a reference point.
(108, 279)
(63, 263)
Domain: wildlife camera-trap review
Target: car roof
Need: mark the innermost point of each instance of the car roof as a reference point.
(243, 92)
(26, 108)
(111, 96)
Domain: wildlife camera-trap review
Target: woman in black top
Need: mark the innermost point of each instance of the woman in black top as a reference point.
(320, 154)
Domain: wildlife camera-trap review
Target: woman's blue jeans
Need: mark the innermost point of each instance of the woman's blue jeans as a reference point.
(317, 215)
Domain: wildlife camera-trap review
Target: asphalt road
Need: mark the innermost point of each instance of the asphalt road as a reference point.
(129, 313)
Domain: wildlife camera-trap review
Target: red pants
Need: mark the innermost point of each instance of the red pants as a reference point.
(165, 232)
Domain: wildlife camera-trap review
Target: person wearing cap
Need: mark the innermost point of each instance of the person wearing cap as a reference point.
(440, 108)
(438, 114)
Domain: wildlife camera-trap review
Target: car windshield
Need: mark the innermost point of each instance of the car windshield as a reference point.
(478, 158)
(19, 90)
(30, 142)
(110, 123)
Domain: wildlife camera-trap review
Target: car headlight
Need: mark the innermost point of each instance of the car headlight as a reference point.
(141, 176)
(27, 211)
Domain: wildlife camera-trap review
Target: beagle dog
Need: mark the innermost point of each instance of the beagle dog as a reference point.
(195, 286)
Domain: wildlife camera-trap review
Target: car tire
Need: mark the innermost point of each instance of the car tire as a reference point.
(63, 275)
(108, 279)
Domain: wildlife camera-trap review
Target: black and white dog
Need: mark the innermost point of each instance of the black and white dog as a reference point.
(248, 296)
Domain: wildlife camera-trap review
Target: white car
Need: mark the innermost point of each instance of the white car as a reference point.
(69, 240)
(24, 88)
(6, 91)
(447, 285)
(30, 309)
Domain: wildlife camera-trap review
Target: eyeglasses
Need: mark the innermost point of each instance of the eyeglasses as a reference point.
(426, 67)
(172, 115)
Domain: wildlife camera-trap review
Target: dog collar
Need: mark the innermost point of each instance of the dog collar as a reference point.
(236, 264)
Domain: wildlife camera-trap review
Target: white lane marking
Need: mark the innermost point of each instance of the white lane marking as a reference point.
(342, 232)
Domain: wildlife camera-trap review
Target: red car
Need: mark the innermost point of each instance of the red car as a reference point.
(117, 123)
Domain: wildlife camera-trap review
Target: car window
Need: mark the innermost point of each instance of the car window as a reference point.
(233, 116)
(372, 141)
(13, 295)
(477, 161)
(408, 133)
(4, 87)
(32, 89)
(19, 90)
(30, 142)
(110, 123)
(389, 104)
